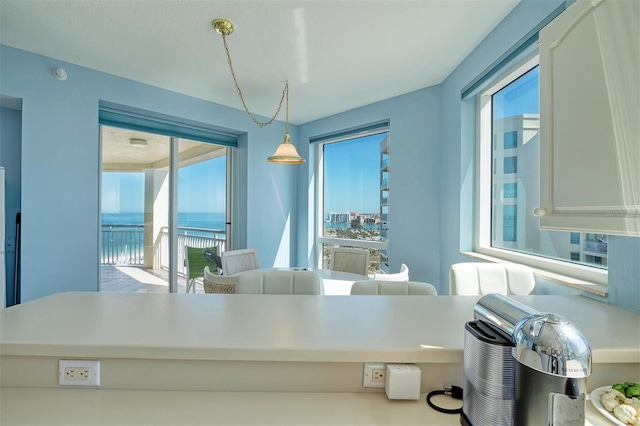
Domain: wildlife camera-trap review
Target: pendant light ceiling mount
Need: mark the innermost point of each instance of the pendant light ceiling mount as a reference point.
(286, 152)
(223, 26)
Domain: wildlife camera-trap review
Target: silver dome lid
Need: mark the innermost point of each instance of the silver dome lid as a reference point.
(551, 344)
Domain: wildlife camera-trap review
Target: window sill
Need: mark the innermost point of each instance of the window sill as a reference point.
(565, 280)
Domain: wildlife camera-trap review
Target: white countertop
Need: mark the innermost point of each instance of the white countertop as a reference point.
(426, 329)
(29, 406)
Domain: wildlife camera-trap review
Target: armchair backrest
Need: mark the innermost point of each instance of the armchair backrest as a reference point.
(235, 261)
(387, 288)
(403, 275)
(476, 278)
(278, 282)
(346, 259)
(196, 260)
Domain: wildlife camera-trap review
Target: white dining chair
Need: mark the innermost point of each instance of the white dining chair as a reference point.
(387, 288)
(266, 281)
(476, 278)
(235, 261)
(347, 259)
(403, 275)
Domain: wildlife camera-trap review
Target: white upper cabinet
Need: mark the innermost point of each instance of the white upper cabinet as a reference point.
(590, 119)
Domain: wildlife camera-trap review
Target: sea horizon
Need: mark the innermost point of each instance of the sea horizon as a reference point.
(202, 220)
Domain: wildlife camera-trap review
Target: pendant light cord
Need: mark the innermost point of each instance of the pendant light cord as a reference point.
(285, 92)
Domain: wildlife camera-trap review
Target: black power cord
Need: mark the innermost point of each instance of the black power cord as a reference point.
(453, 391)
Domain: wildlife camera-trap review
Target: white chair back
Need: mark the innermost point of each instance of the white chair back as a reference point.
(278, 282)
(387, 288)
(235, 261)
(346, 259)
(403, 275)
(476, 279)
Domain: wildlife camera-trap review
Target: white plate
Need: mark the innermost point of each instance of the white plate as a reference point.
(596, 396)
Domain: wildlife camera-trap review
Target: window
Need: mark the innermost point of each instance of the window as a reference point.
(508, 112)
(510, 139)
(166, 183)
(595, 260)
(509, 223)
(136, 208)
(510, 165)
(353, 195)
(510, 190)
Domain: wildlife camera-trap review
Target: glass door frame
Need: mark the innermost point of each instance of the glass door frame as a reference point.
(173, 169)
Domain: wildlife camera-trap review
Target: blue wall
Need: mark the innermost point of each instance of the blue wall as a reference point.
(61, 164)
(432, 171)
(10, 146)
(414, 166)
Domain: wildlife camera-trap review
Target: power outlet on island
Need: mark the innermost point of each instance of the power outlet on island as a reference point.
(78, 372)
(374, 375)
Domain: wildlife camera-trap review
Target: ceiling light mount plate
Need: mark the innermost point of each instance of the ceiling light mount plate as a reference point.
(138, 142)
(223, 26)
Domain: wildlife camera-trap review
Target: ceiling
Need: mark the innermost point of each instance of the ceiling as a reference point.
(152, 151)
(336, 55)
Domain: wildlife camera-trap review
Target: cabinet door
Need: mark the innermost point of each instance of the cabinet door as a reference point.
(590, 119)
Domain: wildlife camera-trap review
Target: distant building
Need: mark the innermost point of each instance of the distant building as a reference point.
(339, 217)
(516, 176)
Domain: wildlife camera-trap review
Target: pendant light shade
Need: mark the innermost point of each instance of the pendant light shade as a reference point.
(286, 153)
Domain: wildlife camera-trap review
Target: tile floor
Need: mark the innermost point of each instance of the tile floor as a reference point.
(136, 279)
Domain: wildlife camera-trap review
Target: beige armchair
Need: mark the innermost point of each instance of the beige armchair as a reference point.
(387, 288)
(475, 279)
(215, 283)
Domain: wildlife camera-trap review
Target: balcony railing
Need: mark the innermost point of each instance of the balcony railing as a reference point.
(124, 244)
(595, 246)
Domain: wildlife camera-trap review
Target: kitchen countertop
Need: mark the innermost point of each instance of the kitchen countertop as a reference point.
(427, 329)
(146, 336)
(69, 407)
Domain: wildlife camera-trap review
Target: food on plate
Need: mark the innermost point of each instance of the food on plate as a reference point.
(623, 401)
(629, 389)
(626, 414)
(611, 398)
(634, 402)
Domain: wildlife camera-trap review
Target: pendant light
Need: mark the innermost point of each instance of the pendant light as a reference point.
(286, 153)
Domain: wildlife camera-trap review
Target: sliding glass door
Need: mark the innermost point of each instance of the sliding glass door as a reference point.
(159, 194)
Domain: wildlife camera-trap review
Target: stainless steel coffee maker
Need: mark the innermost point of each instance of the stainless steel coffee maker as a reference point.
(523, 367)
(553, 361)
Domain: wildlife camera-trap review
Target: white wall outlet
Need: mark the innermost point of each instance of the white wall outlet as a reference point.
(79, 372)
(374, 375)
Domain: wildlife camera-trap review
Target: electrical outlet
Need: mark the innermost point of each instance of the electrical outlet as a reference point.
(379, 376)
(75, 374)
(374, 375)
(79, 372)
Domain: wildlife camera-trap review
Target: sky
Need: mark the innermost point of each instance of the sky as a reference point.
(520, 97)
(201, 188)
(352, 175)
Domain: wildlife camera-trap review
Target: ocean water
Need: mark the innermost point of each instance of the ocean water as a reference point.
(185, 219)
